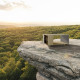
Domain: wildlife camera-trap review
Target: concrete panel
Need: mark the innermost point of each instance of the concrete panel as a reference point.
(65, 38)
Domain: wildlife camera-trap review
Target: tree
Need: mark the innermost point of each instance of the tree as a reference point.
(2, 75)
(2, 49)
(29, 72)
(11, 42)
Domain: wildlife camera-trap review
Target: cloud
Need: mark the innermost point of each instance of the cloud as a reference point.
(12, 5)
(5, 7)
(19, 4)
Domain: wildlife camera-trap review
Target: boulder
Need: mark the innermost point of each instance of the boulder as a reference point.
(60, 62)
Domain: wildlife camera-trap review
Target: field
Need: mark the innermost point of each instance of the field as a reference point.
(12, 67)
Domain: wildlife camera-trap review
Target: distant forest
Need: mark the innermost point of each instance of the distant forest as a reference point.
(12, 66)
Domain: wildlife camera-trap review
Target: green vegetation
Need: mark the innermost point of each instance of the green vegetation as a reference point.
(12, 67)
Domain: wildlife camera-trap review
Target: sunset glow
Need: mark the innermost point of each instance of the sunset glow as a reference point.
(40, 11)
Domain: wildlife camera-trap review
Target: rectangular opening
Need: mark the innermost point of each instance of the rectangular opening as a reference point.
(57, 40)
(46, 39)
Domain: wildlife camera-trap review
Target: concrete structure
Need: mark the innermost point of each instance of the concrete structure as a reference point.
(49, 39)
(53, 63)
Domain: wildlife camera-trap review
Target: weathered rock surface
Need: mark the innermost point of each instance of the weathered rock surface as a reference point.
(55, 62)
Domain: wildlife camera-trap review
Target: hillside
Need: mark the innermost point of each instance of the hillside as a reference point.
(7, 26)
(12, 67)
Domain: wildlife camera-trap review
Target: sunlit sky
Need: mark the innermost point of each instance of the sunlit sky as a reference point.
(40, 11)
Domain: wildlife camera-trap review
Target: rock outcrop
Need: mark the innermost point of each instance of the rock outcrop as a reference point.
(53, 62)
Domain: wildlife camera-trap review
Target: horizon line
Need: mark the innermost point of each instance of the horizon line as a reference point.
(39, 23)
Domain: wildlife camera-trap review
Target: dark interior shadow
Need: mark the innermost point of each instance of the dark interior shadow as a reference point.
(66, 48)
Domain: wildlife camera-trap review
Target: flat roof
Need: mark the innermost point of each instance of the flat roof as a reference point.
(55, 34)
